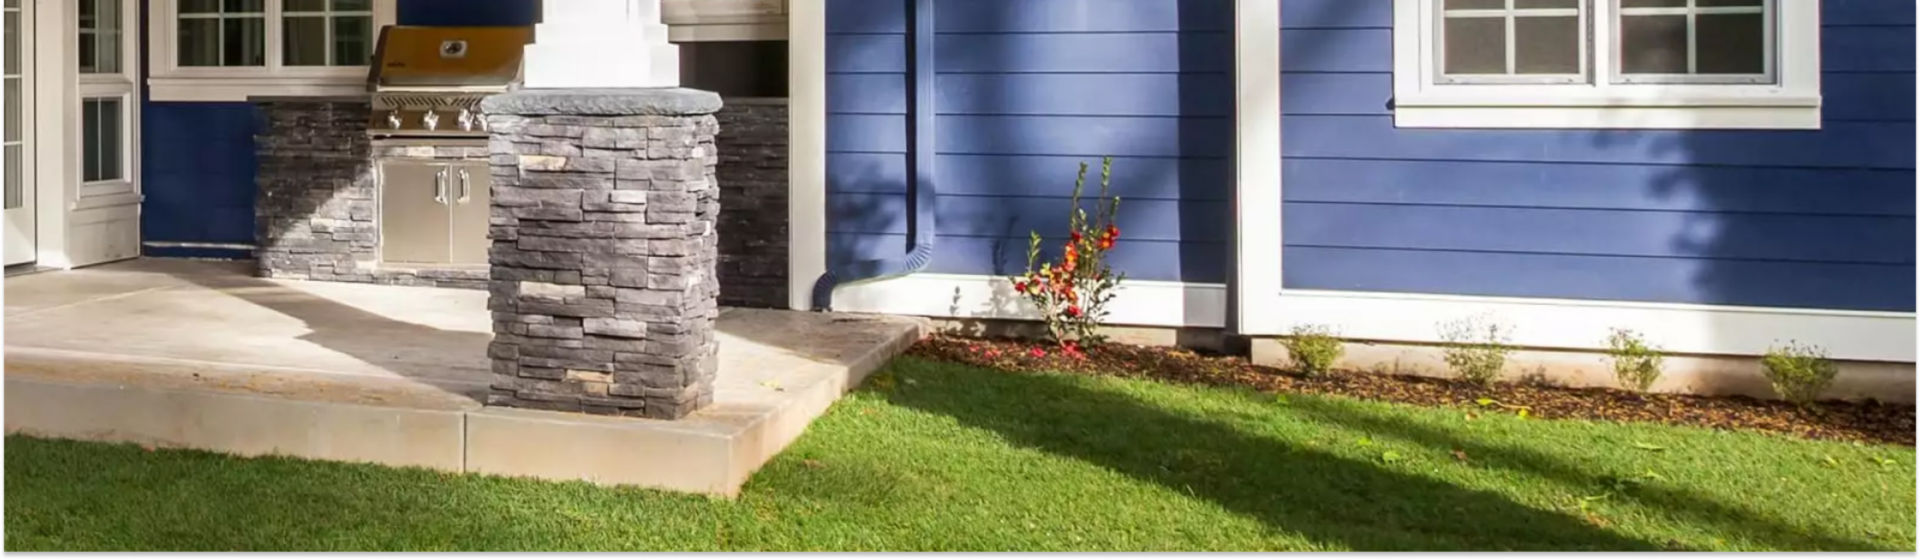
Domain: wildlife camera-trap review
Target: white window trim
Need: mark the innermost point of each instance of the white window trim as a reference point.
(1791, 103)
(168, 81)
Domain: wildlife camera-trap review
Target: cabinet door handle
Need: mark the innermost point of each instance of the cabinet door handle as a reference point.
(440, 186)
(466, 187)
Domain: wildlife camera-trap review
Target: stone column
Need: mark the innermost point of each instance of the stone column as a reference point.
(603, 284)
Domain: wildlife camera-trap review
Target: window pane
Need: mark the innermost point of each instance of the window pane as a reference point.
(16, 186)
(306, 41)
(1653, 3)
(199, 42)
(243, 41)
(1731, 43)
(199, 6)
(13, 109)
(109, 139)
(90, 140)
(1546, 45)
(1476, 46)
(1653, 44)
(1730, 3)
(352, 40)
(1546, 4)
(353, 5)
(253, 6)
(305, 6)
(13, 43)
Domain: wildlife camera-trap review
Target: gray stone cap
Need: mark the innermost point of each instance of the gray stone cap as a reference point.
(603, 101)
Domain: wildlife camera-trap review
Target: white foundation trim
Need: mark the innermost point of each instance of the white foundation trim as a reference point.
(1584, 325)
(964, 296)
(806, 149)
(1256, 161)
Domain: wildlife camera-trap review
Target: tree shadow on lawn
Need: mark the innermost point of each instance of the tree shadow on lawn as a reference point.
(1333, 501)
(1697, 510)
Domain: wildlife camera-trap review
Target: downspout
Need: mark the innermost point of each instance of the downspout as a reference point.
(921, 194)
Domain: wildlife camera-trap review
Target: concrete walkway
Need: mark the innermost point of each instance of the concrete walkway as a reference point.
(203, 355)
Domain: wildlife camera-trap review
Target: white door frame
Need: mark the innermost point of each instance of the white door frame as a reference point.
(20, 227)
(81, 224)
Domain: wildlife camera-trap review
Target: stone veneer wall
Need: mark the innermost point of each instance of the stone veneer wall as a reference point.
(753, 196)
(316, 212)
(604, 294)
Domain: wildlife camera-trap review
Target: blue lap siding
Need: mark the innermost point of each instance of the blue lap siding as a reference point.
(1812, 219)
(1025, 91)
(197, 162)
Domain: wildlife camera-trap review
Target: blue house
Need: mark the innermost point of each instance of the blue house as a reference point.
(1720, 176)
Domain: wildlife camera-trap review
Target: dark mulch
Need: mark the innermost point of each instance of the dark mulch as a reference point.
(1853, 421)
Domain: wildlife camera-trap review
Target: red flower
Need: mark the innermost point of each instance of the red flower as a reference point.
(1106, 243)
(1113, 231)
(1075, 236)
(1072, 348)
(1037, 353)
(1073, 311)
(1020, 287)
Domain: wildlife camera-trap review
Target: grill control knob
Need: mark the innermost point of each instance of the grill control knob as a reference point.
(393, 119)
(466, 119)
(432, 120)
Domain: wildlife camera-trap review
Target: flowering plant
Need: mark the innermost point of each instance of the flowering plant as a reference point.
(1072, 294)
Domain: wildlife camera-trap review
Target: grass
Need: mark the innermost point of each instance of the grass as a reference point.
(939, 456)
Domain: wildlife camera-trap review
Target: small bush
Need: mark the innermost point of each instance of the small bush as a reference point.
(1477, 349)
(1635, 364)
(1799, 373)
(1314, 349)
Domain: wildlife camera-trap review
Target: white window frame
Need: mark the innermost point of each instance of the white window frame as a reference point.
(167, 80)
(1791, 101)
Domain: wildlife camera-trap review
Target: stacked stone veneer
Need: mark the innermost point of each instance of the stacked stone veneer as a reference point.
(604, 292)
(753, 213)
(316, 210)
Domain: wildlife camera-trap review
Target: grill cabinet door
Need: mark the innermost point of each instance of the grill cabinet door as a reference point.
(413, 223)
(471, 195)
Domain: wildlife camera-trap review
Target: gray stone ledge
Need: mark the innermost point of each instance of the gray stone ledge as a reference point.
(603, 101)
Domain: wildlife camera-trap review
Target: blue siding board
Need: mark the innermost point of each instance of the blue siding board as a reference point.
(1675, 188)
(468, 12)
(1084, 16)
(1158, 95)
(1086, 52)
(1718, 282)
(1820, 218)
(1144, 260)
(1025, 91)
(197, 169)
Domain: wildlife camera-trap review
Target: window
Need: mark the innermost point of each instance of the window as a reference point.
(228, 50)
(1607, 63)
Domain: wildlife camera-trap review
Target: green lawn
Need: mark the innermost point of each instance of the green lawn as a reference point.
(938, 456)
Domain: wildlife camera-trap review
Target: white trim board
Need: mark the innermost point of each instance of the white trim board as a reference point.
(1584, 325)
(1415, 318)
(962, 296)
(1257, 176)
(806, 149)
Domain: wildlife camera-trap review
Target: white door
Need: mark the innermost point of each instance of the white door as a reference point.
(19, 186)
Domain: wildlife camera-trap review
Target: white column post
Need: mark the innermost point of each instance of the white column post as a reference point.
(601, 44)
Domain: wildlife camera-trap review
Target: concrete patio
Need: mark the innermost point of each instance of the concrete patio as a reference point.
(203, 355)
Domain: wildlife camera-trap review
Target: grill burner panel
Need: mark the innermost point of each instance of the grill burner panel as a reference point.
(427, 82)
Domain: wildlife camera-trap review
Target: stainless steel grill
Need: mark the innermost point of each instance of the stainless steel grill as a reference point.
(434, 182)
(428, 81)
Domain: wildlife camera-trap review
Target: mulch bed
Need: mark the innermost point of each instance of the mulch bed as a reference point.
(1870, 422)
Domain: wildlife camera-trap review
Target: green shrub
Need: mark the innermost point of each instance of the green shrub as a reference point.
(1799, 373)
(1635, 364)
(1477, 349)
(1314, 349)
